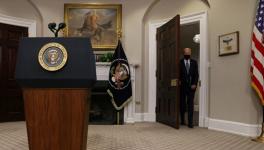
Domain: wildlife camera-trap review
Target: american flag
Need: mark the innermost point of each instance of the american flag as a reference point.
(257, 53)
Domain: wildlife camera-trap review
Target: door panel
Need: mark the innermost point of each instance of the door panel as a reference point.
(168, 93)
(11, 101)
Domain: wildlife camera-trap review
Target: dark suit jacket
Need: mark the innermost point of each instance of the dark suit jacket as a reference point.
(192, 78)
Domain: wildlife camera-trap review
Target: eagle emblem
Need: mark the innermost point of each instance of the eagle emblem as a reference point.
(52, 56)
(119, 74)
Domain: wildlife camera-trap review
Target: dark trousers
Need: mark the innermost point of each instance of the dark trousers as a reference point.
(187, 95)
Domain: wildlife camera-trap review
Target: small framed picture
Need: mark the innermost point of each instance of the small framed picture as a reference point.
(229, 44)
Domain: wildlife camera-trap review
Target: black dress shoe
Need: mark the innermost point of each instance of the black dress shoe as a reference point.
(182, 123)
(190, 126)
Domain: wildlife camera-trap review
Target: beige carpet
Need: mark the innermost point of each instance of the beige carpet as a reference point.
(140, 136)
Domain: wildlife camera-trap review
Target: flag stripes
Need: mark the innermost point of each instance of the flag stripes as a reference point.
(257, 62)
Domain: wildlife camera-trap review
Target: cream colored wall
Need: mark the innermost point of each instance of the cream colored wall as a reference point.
(230, 95)
(21, 9)
(133, 12)
(133, 29)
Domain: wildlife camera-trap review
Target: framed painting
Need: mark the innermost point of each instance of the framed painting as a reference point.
(100, 22)
(229, 44)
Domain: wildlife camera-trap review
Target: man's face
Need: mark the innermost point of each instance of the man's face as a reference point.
(187, 51)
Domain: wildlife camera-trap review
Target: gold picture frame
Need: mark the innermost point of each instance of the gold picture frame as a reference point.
(102, 23)
(229, 44)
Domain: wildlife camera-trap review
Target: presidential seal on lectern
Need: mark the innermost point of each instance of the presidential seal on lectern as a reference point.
(52, 56)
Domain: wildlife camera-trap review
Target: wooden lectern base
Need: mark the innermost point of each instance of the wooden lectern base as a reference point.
(57, 119)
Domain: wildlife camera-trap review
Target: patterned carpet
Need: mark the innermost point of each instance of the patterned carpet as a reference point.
(140, 136)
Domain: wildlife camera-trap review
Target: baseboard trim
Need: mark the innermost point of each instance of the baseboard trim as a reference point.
(206, 122)
(251, 130)
(148, 117)
(139, 117)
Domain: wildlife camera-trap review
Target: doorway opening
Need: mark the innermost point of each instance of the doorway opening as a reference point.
(202, 93)
(187, 33)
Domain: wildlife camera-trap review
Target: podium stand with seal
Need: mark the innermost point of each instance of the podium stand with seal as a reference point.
(56, 75)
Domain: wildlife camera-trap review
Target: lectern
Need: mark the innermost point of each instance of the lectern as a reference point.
(56, 75)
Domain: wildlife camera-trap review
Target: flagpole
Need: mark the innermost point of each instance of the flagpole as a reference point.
(260, 138)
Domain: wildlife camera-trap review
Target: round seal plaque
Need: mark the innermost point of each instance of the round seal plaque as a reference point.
(52, 56)
(119, 74)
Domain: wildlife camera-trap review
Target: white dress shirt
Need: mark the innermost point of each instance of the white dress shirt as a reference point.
(187, 61)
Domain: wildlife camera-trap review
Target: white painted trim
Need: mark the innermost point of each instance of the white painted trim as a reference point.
(206, 122)
(139, 117)
(200, 17)
(204, 70)
(145, 117)
(30, 24)
(149, 117)
(152, 67)
(251, 130)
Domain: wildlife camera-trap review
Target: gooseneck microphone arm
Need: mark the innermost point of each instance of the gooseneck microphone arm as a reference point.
(52, 27)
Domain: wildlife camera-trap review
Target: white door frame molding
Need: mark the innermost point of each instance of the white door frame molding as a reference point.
(30, 24)
(204, 64)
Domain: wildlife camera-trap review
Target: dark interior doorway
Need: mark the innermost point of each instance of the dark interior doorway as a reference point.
(188, 31)
(11, 101)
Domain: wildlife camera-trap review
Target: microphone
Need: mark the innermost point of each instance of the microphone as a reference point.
(52, 26)
(61, 26)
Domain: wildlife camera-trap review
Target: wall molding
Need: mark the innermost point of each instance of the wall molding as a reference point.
(30, 24)
(251, 130)
(40, 15)
(145, 117)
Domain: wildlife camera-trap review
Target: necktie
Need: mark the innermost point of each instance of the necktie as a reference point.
(187, 65)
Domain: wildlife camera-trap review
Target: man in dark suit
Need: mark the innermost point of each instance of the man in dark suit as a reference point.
(189, 77)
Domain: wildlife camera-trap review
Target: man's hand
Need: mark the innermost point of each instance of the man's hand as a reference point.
(193, 87)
